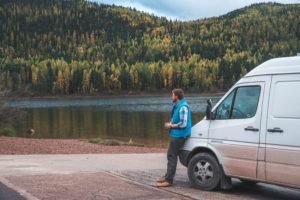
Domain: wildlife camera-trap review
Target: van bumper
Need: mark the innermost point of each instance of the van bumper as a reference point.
(183, 157)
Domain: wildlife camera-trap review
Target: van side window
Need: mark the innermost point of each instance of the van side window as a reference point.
(223, 111)
(245, 103)
(239, 104)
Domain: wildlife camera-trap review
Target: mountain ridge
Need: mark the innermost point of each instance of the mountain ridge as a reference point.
(67, 47)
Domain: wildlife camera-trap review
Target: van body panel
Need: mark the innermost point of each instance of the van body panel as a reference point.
(233, 167)
(283, 130)
(200, 130)
(243, 156)
(287, 65)
(261, 170)
(261, 154)
(193, 143)
(241, 151)
(283, 156)
(282, 173)
(261, 162)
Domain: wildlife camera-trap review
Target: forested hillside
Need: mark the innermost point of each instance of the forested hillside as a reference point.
(78, 47)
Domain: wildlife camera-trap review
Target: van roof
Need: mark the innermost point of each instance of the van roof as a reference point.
(285, 65)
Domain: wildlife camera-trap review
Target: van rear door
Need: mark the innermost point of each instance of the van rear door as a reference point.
(283, 130)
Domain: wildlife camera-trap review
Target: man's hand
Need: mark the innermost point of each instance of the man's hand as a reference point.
(167, 125)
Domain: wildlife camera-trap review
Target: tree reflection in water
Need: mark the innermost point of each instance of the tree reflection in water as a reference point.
(90, 122)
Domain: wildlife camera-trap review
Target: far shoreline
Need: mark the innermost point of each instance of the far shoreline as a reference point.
(113, 94)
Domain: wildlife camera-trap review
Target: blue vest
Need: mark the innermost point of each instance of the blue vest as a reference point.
(180, 132)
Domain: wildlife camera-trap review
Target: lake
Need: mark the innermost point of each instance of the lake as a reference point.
(140, 119)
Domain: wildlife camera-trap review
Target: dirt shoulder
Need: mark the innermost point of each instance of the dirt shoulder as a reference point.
(19, 146)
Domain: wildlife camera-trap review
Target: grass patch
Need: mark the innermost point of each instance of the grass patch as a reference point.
(94, 140)
(114, 142)
(8, 132)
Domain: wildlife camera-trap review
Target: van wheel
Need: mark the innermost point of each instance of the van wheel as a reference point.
(204, 171)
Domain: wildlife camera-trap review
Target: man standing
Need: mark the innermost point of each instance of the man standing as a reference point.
(180, 128)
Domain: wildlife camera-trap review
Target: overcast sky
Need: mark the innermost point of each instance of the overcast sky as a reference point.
(187, 9)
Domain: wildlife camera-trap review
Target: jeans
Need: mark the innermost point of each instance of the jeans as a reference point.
(174, 147)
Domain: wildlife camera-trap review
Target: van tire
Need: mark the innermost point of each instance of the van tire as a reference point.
(204, 172)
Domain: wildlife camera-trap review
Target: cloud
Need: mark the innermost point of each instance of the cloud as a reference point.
(187, 9)
(140, 6)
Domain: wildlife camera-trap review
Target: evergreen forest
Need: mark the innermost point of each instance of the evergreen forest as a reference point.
(62, 47)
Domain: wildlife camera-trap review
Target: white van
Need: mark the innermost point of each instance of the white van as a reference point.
(252, 133)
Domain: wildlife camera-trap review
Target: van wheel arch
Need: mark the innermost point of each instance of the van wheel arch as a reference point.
(202, 150)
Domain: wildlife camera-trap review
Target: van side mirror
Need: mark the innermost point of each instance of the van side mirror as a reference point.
(209, 113)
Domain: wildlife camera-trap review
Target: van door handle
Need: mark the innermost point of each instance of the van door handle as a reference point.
(250, 128)
(275, 130)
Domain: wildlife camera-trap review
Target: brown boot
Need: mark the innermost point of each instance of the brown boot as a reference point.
(160, 180)
(164, 184)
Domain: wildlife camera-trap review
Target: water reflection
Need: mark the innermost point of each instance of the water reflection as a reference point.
(139, 119)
